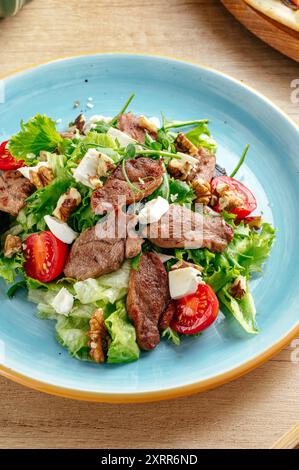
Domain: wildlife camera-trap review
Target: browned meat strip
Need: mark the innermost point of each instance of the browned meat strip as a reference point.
(135, 126)
(181, 227)
(133, 247)
(144, 173)
(97, 251)
(148, 296)
(14, 190)
(167, 316)
(205, 168)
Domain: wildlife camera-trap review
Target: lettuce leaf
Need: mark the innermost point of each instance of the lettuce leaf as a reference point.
(249, 249)
(72, 334)
(243, 310)
(41, 203)
(10, 268)
(180, 192)
(39, 133)
(123, 347)
(110, 287)
(201, 137)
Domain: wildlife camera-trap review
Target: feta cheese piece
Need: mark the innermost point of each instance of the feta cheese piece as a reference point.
(153, 210)
(155, 121)
(63, 302)
(123, 138)
(183, 282)
(87, 167)
(25, 170)
(61, 230)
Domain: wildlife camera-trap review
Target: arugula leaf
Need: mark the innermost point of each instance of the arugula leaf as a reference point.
(39, 133)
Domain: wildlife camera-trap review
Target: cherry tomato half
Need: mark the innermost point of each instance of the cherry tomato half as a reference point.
(45, 256)
(249, 201)
(195, 312)
(7, 161)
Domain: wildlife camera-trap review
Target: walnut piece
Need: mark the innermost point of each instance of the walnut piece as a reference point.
(183, 144)
(79, 123)
(238, 288)
(202, 190)
(147, 124)
(12, 246)
(99, 338)
(42, 177)
(228, 199)
(66, 204)
(179, 169)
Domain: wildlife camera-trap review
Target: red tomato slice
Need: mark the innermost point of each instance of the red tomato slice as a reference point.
(45, 256)
(7, 161)
(249, 201)
(195, 312)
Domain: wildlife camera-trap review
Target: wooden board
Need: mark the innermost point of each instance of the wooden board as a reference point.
(273, 33)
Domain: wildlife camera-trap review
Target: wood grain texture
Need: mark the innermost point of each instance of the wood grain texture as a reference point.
(253, 411)
(277, 35)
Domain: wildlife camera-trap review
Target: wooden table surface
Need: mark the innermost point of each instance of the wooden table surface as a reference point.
(253, 411)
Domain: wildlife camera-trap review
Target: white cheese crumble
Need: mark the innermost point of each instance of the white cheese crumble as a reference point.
(61, 230)
(63, 302)
(25, 170)
(123, 138)
(87, 168)
(183, 282)
(153, 210)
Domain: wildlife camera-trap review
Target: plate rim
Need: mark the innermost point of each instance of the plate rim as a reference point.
(174, 392)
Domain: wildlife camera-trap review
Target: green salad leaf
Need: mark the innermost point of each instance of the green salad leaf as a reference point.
(72, 334)
(201, 137)
(180, 192)
(243, 310)
(10, 268)
(109, 287)
(172, 336)
(123, 347)
(42, 202)
(38, 134)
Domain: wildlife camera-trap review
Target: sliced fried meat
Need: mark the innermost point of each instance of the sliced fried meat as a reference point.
(145, 176)
(14, 190)
(97, 251)
(167, 316)
(136, 127)
(148, 297)
(205, 168)
(181, 227)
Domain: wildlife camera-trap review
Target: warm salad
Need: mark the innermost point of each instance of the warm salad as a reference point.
(124, 229)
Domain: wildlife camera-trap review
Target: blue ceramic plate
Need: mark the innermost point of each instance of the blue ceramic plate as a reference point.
(238, 115)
